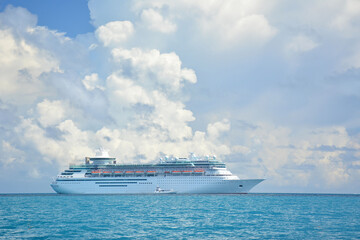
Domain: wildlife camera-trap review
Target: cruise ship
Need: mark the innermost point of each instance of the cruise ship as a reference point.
(192, 175)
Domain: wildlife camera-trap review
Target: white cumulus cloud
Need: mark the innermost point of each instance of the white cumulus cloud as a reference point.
(226, 24)
(152, 67)
(21, 65)
(50, 112)
(233, 30)
(124, 92)
(215, 129)
(156, 22)
(114, 33)
(347, 18)
(301, 43)
(92, 81)
(292, 157)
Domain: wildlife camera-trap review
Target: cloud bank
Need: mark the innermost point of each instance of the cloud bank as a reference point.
(270, 92)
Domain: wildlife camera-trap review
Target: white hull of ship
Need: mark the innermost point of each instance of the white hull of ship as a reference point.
(147, 185)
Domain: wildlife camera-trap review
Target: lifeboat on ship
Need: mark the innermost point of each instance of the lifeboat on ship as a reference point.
(199, 172)
(187, 172)
(150, 173)
(106, 173)
(129, 172)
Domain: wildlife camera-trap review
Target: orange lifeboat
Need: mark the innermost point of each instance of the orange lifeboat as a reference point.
(199, 172)
(187, 172)
(150, 173)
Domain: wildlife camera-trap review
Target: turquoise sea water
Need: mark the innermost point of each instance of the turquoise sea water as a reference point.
(251, 216)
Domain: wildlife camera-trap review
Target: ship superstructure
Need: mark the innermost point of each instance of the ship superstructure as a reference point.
(102, 175)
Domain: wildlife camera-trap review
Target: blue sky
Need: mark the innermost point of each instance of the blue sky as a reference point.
(271, 87)
(71, 17)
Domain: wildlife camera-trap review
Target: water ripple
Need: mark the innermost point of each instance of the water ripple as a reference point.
(253, 216)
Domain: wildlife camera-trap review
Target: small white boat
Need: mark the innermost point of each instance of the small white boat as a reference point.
(158, 190)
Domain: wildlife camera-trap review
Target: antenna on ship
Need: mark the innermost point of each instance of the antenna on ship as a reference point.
(192, 156)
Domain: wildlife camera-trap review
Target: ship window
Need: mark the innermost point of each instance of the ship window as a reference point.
(67, 173)
(240, 185)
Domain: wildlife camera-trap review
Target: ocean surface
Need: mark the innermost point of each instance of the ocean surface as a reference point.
(249, 216)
